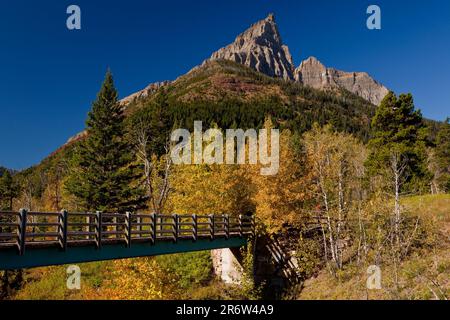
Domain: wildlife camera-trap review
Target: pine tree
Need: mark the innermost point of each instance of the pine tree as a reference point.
(9, 190)
(398, 131)
(443, 155)
(103, 173)
(10, 280)
(154, 119)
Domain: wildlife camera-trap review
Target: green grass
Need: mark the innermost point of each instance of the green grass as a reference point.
(429, 206)
(49, 283)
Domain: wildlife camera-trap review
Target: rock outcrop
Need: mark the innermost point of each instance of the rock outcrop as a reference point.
(260, 48)
(313, 73)
(151, 88)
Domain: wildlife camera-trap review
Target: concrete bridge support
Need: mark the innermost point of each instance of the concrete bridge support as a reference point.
(274, 265)
(226, 265)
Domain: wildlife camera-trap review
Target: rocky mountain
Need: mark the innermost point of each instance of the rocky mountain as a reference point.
(261, 48)
(227, 94)
(313, 73)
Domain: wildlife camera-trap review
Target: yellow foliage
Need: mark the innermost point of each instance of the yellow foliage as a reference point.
(207, 189)
(280, 198)
(241, 189)
(138, 279)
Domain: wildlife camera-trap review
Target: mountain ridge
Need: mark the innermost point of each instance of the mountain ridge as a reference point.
(261, 48)
(315, 74)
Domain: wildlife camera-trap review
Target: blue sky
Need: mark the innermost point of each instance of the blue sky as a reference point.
(49, 75)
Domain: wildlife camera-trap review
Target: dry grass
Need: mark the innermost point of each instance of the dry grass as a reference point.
(423, 275)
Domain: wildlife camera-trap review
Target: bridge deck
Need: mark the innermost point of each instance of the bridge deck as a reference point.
(30, 239)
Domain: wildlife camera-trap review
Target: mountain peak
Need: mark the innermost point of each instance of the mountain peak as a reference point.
(312, 60)
(270, 17)
(260, 47)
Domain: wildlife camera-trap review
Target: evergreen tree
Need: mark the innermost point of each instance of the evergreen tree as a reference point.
(155, 120)
(443, 155)
(10, 280)
(9, 190)
(398, 129)
(103, 174)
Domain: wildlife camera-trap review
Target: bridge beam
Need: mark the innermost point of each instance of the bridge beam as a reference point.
(37, 257)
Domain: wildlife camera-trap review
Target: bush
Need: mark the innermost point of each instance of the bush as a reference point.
(193, 268)
(308, 257)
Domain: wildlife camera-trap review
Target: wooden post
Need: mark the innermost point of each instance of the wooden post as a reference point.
(154, 227)
(22, 231)
(139, 226)
(116, 227)
(175, 227)
(195, 227)
(128, 229)
(212, 226)
(240, 226)
(88, 227)
(227, 226)
(63, 221)
(60, 228)
(253, 226)
(99, 228)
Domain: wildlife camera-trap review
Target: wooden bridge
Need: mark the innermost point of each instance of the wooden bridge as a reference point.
(32, 239)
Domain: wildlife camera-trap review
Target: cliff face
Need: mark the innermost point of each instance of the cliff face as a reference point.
(260, 48)
(313, 73)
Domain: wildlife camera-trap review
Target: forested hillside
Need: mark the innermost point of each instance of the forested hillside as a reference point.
(352, 164)
(234, 96)
(220, 93)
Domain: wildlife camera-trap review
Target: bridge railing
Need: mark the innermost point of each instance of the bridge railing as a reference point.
(25, 229)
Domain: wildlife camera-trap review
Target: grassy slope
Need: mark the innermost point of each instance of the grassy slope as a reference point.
(424, 274)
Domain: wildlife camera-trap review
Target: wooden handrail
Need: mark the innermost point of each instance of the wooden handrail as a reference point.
(66, 228)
